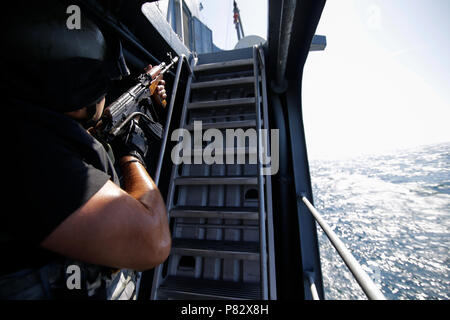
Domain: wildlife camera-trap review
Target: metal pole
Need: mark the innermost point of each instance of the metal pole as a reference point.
(367, 285)
(237, 21)
(169, 201)
(169, 119)
(268, 184)
(262, 207)
(238, 33)
(164, 142)
(310, 278)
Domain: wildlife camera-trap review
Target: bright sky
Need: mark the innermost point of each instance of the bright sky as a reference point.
(218, 16)
(381, 84)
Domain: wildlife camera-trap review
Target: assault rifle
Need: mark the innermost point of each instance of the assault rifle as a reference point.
(134, 104)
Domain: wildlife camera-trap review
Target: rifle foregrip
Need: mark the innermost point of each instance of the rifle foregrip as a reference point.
(153, 89)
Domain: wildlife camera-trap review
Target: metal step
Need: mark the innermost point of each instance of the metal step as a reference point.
(183, 288)
(223, 65)
(223, 83)
(215, 213)
(227, 151)
(212, 181)
(216, 249)
(244, 227)
(221, 103)
(225, 125)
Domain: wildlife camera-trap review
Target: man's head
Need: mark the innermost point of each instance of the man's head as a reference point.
(88, 115)
(47, 64)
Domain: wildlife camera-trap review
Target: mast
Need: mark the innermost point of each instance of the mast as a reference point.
(237, 21)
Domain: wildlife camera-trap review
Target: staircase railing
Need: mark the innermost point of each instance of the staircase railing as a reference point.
(262, 209)
(183, 60)
(364, 281)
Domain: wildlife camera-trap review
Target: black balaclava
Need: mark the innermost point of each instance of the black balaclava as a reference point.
(47, 64)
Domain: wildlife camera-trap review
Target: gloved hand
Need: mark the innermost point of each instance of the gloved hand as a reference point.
(132, 143)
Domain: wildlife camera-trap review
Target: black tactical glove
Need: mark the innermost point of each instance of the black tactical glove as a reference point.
(132, 142)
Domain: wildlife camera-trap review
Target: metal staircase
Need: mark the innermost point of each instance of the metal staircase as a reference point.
(221, 214)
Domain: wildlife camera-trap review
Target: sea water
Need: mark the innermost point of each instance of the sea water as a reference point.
(393, 213)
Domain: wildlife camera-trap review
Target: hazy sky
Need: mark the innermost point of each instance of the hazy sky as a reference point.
(218, 16)
(381, 84)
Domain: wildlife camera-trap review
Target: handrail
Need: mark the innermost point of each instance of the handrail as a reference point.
(310, 277)
(366, 284)
(268, 182)
(169, 116)
(165, 135)
(262, 213)
(170, 197)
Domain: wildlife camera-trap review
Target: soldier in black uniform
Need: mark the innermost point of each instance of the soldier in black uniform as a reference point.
(66, 205)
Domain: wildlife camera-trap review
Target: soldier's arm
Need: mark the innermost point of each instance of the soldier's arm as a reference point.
(120, 228)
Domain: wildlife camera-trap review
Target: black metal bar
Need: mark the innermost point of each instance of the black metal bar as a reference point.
(283, 220)
(169, 118)
(302, 183)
